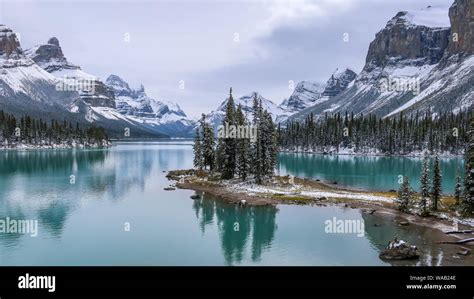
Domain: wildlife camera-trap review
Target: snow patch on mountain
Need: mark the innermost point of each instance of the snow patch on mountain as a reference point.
(308, 93)
(166, 116)
(305, 94)
(431, 16)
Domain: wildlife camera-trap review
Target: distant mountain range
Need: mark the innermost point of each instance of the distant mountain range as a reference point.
(42, 83)
(306, 94)
(422, 61)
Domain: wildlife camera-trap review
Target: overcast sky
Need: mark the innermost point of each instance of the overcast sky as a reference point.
(208, 45)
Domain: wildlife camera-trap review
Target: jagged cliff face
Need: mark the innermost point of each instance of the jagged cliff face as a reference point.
(403, 40)
(461, 15)
(9, 43)
(413, 65)
(51, 58)
(338, 82)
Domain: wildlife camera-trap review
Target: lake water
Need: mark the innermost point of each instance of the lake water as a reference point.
(108, 207)
(378, 173)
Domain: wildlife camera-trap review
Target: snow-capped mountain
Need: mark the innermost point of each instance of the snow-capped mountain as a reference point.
(92, 90)
(246, 103)
(304, 95)
(338, 82)
(413, 64)
(24, 86)
(308, 93)
(164, 116)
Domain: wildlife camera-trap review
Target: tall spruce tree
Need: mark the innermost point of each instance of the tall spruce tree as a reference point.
(229, 142)
(198, 160)
(437, 178)
(425, 187)
(208, 144)
(257, 161)
(243, 146)
(458, 188)
(405, 196)
(219, 157)
(269, 146)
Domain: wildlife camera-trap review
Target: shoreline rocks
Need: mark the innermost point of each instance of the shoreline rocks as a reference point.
(399, 250)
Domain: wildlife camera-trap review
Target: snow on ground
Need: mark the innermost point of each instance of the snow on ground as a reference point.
(458, 220)
(348, 195)
(297, 190)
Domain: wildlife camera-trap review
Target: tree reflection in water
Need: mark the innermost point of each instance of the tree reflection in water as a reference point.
(238, 227)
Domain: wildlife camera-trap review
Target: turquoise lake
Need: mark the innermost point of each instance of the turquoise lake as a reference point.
(114, 211)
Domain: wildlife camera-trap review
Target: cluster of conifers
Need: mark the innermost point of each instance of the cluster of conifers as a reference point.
(368, 133)
(238, 155)
(32, 131)
(430, 194)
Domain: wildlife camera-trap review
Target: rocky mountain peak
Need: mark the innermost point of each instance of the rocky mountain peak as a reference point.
(9, 43)
(339, 81)
(50, 56)
(414, 37)
(119, 86)
(122, 88)
(131, 101)
(53, 41)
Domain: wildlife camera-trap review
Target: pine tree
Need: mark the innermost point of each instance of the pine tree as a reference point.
(257, 161)
(458, 189)
(243, 147)
(229, 141)
(405, 194)
(198, 156)
(269, 146)
(389, 135)
(208, 144)
(425, 188)
(436, 192)
(467, 207)
(219, 156)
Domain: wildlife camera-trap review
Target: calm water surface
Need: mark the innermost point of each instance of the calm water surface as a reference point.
(85, 223)
(367, 172)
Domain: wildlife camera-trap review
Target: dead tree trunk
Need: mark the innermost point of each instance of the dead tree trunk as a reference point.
(457, 242)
